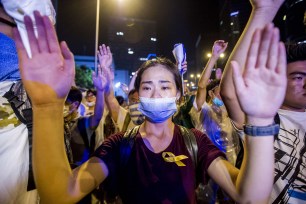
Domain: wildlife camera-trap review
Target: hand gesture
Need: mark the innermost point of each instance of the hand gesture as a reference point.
(219, 47)
(261, 89)
(101, 80)
(105, 56)
(48, 75)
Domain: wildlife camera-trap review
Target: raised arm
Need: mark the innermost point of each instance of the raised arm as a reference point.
(106, 60)
(218, 48)
(132, 82)
(263, 12)
(260, 91)
(47, 78)
(101, 82)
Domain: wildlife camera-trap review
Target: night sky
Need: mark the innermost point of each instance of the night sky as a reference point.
(177, 21)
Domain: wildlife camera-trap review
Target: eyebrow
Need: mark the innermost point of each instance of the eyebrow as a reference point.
(301, 73)
(160, 81)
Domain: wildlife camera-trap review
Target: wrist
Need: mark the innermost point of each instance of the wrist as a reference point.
(50, 107)
(257, 121)
(268, 13)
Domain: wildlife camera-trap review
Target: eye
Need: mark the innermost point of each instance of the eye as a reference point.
(146, 88)
(297, 78)
(165, 88)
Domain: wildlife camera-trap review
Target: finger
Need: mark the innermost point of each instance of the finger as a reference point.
(264, 45)
(19, 45)
(67, 54)
(41, 33)
(281, 67)
(253, 51)
(31, 35)
(22, 53)
(51, 35)
(93, 76)
(237, 78)
(108, 50)
(273, 51)
(104, 50)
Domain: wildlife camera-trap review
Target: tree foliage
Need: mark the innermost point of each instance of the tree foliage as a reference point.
(83, 77)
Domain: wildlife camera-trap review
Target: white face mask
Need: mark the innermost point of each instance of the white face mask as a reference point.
(91, 104)
(157, 110)
(136, 116)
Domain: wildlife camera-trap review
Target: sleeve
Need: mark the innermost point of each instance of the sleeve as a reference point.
(109, 151)
(207, 153)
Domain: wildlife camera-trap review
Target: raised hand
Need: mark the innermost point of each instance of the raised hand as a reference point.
(261, 88)
(219, 47)
(48, 75)
(101, 80)
(105, 56)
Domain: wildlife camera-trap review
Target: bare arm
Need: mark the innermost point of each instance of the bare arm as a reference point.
(132, 82)
(218, 48)
(47, 78)
(265, 73)
(262, 13)
(106, 59)
(101, 82)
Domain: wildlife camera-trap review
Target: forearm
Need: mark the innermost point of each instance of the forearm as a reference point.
(257, 167)
(258, 19)
(51, 168)
(99, 107)
(203, 81)
(206, 73)
(112, 104)
(132, 82)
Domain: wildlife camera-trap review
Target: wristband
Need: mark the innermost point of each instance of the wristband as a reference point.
(261, 130)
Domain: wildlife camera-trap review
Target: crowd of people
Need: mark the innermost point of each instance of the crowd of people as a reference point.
(241, 138)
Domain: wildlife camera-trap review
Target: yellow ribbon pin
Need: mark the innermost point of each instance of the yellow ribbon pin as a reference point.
(170, 157)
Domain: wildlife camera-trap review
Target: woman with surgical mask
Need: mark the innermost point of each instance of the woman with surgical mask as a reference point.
(160, 168)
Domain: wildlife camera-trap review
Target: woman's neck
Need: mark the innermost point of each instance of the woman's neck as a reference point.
(159, 130)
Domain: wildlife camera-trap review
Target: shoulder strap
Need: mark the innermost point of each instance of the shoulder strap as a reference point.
(127, 145)
(25, 116)
(191, 144)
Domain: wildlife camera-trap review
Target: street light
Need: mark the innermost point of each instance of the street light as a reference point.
(208, 54)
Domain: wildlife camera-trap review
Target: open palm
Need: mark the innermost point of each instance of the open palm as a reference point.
(261, 88)
(48, 75)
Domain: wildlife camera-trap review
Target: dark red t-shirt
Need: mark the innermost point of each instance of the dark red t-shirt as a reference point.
(148, 178)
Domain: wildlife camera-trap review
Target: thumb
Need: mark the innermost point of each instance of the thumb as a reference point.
(237, 77)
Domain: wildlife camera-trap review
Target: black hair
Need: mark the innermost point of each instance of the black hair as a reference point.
(94, 92)
(74, 95)
(120, 100)
(167, 64)
(213, 84)
(131, 92)
(295, 52)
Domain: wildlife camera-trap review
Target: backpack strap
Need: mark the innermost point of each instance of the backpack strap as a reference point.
(127, 144)
(191, 144)
(26, 117)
